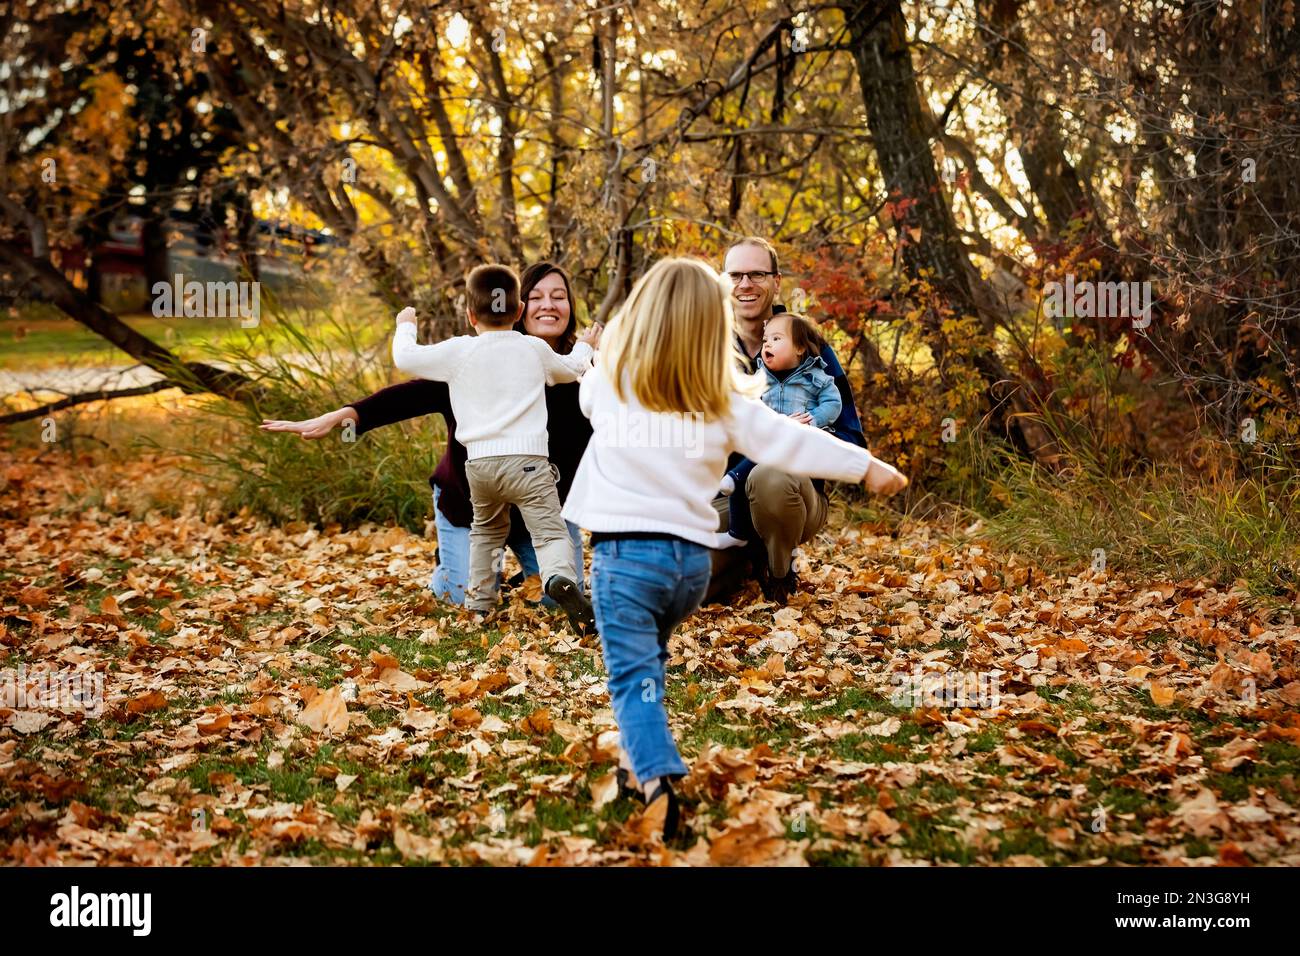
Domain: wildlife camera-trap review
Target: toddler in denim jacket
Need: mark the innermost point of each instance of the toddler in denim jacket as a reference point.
(797, 385)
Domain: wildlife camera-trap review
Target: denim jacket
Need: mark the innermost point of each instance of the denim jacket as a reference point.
(807, 389)
(846, 427)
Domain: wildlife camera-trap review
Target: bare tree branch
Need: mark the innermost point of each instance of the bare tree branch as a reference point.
(52, 285)
(83, 398)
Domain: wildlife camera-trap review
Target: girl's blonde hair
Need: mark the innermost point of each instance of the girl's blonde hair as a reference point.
(674, 342)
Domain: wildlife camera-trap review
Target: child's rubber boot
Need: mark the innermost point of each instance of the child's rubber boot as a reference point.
(672, 813)
(565, 592)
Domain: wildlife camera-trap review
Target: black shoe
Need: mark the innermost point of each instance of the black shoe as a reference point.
(565, 593)
(625, 788)
(673, 815)
(778, 590)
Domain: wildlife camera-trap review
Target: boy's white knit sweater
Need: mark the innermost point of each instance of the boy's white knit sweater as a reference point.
(659, 472)
(496, 380)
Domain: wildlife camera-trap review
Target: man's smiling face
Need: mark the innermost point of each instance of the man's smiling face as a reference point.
(751, 300)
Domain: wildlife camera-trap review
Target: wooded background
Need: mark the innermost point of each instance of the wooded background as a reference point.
(1100, 542)
(926, 169)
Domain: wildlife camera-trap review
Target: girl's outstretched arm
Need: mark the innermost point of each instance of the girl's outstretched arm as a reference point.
(759, 433)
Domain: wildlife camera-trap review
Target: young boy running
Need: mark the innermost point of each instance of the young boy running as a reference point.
(496, 379)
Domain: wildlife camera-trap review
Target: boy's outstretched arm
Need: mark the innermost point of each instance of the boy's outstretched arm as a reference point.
(564, 368)
(436, 362)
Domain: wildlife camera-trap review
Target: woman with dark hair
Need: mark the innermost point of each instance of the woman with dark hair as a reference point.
(548, 314)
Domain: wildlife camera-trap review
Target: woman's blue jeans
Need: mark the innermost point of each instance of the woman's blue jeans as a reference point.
(451, 576)
(642, 588)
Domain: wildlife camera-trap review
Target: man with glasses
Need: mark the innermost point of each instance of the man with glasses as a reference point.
(786, 510)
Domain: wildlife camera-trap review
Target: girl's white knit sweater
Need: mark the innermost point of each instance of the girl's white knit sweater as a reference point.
(497, 381)
(658, 472)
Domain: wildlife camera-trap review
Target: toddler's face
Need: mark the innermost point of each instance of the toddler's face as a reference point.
(779, 353)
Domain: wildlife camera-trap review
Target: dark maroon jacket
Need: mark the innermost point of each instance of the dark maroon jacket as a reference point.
(567, 427)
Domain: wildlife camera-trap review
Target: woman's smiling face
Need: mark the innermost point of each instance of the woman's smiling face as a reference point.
(548, 309)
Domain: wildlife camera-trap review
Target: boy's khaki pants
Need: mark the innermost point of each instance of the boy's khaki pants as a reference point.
(528, 483)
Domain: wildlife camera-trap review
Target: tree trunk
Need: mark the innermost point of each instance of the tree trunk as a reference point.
(900, 130)
(50, 284)
(557, 218)
(246, 236)
(620, 243)
(153, 238)
(1032, 121)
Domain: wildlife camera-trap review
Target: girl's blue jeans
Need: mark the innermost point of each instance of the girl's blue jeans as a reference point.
(642, 589)
(451, 576)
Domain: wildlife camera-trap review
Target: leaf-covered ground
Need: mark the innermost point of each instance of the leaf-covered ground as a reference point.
(291, 696)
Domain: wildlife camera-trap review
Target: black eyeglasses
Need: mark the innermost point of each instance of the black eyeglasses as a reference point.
(755, 277)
